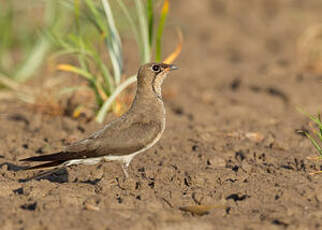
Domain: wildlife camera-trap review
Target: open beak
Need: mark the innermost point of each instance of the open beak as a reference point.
(171, 67)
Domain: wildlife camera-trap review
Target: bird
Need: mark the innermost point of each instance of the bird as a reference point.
(122, 139)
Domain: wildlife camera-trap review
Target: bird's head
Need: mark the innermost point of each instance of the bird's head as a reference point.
(151, 76)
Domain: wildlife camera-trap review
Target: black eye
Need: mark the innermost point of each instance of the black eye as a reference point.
(156, 68)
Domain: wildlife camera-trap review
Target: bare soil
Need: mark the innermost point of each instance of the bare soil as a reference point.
(230, 157)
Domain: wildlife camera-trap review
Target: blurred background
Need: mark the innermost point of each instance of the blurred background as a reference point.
(40, 39)
(238, 111)
(103, 42)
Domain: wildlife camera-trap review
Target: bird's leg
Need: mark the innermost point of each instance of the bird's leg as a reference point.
(125, 166)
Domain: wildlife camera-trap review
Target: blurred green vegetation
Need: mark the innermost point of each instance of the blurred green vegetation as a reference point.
(89, 32)
(315, 136)
(23, 45)
(95, 41)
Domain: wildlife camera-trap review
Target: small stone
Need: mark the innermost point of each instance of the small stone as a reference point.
(255, 137)
(91, 207)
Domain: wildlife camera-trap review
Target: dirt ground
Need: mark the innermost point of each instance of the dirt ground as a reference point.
(230, 152)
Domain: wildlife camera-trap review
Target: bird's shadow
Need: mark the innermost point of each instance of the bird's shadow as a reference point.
(13, 167)
(55, 175)
(58, 175)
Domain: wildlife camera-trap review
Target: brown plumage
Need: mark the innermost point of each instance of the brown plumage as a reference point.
(122, 139)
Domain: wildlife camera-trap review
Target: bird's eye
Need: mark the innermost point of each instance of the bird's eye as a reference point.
(156, 68)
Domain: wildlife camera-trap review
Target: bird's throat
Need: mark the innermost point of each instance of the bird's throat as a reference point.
(156, 86)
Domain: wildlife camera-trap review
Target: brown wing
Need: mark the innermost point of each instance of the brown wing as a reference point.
(129, 139)
(115, 139)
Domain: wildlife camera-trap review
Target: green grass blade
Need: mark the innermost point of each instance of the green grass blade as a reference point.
(6, 31)
(317, 133)
(314, 142)
(108, 103)
(132, 25)
(96, 16)
(67, 4)
(150, 16)
(163, 18)
(314, 119)
(114, 43)
(320, 125)
(107, 76)
(65, 52)
(103, 69)
(144, 31)
(67, 90)
(77, 14)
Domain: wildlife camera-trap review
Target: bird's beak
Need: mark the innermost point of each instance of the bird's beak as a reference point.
(171, 67)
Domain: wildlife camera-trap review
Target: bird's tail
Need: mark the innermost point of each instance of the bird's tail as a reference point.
(49, 157)
(46, 165)
(53, 159)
